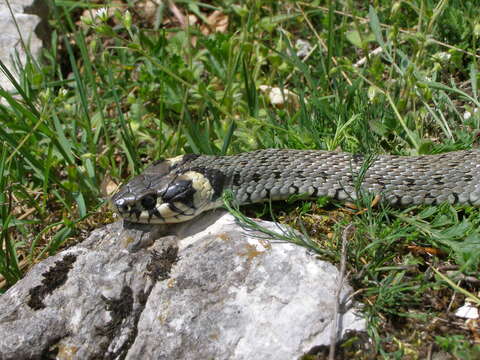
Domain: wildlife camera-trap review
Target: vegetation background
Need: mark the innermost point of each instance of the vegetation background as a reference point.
(127, 82)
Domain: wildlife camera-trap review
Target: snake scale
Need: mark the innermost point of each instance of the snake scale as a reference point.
(178, 189)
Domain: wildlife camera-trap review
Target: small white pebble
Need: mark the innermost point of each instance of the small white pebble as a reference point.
(442, 56)
(467, 311)
(303, 48)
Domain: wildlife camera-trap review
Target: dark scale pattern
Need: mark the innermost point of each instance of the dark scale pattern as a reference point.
(432, 179)
(278, 174)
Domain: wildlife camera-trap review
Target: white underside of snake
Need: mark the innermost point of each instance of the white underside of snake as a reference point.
(178, 189)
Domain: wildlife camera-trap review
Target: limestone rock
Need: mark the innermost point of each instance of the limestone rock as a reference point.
(28, 16)
(212, 290)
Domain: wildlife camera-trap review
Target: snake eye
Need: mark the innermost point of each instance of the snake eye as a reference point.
(148, 202)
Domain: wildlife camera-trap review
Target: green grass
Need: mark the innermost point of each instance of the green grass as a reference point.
(115, 93)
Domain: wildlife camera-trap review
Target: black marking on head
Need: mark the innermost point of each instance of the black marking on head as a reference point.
(277, 174)
(155, 212)
(467, 177)
(149, 201)
(216, 179)
(174, 208)
(181, 191)
(409, 181)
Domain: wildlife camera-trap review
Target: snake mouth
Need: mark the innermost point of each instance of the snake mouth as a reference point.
(150, 210)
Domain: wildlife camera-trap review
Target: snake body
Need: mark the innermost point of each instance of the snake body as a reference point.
(175, 190)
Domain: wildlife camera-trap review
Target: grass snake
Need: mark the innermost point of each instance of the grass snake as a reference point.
(178, 189)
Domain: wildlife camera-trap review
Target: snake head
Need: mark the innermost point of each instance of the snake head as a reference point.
(168, 198)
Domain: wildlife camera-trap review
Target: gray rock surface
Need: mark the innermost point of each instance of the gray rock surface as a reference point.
(212, 290)
(28, 17)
